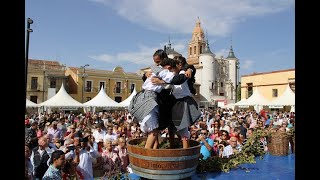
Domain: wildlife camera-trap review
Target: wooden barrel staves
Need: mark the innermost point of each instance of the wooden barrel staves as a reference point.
(163, 163)
(279, 144)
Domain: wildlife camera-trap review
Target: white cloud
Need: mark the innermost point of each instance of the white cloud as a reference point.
(247, 64)
(103, 57)
(141, 56)
(179, 16)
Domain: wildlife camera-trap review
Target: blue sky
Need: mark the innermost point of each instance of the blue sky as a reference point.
(110, 33)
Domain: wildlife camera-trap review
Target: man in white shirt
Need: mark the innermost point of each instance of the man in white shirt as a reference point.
(40, 157)
(231, 149)
(86, 155)
(54, 132)
(110, 135)
(98, 133)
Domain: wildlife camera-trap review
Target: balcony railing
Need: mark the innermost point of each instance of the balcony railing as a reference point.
(94, 89)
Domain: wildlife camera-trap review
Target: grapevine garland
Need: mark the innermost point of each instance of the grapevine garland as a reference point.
(247, 155)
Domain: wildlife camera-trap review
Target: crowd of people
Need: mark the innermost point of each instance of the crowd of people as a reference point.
(94, 144)
(71, 145)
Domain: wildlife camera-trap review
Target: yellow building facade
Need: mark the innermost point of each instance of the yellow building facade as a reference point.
(85, 83)
(269, 84)
(44, 79)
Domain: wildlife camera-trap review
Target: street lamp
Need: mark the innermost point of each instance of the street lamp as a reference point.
(29, 21)
(83, 78)
(237, 77)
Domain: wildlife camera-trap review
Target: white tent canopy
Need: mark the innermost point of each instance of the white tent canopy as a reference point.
(255, 99)
(126, 102)
(61, 99)
(240, 103)
(31, 104)
(102, 100)
(286, 99)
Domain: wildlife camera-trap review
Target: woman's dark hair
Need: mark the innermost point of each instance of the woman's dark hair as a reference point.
(224, 143)
(168, 61)
(161, 53)
(56, 155)
(181, 59)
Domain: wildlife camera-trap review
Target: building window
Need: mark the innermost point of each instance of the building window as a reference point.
(34, 82)
(195, 50)
(102, 84)
(249, 89)
(34, 99)
(88, 99)
(221, 94)
(132, 87)
(53, 83)
(190, 50)
(118, 99)
(274, 92)
(212, 86)
(221, 84)
(88, 86)
(200, 49)
(118, 87)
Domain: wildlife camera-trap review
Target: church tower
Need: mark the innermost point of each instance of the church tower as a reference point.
(196, 45)
(233, 72)
(208, 74)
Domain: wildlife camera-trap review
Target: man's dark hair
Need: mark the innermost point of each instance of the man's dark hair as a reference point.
(56, 155)
(161, 53)
(168, 61)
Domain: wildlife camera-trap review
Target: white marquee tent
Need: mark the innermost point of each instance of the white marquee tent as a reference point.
(102, 100)
(61, 99)
(286, 99)
(30, 104)
(256, 100)
(126, 102)
(240, 103)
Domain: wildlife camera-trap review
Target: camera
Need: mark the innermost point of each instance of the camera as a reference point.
(71, 148)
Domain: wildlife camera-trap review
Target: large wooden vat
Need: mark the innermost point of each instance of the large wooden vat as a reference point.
(163, 163)
(279, 144)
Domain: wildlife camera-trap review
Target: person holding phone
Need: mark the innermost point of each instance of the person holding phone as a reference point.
(206, 144)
